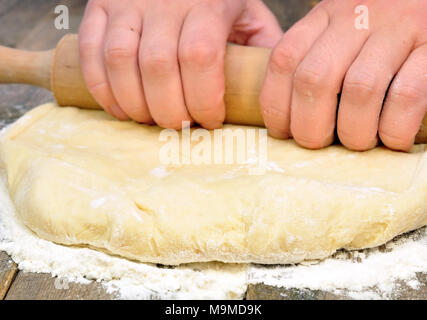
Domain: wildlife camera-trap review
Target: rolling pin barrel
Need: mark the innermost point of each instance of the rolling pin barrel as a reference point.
(244, 73)
(59, 71)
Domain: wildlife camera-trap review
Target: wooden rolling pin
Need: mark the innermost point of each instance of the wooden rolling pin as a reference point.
(58, 70)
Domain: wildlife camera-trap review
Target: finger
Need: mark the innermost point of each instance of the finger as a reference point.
(318, 80)
(121, 60)
(258, 27)
(275, 97)
(160, 69)
(406, 103)
(364, 88)
(201, 55)
(91, 41)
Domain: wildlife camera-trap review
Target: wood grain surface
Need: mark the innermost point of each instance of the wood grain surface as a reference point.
(8, 271)
(31, 286)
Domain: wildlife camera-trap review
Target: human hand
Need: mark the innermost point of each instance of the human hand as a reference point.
(162, 61)
(381, 71)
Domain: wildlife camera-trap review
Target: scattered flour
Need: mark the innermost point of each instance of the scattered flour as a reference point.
(367, 274)
(128, 279)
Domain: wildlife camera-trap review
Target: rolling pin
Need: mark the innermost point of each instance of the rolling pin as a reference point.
(58, 70)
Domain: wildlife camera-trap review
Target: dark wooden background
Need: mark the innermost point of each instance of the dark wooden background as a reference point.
(29, 24)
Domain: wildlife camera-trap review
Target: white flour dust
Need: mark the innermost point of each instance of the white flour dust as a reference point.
(364, 274)
(368, 274)
(128, 279)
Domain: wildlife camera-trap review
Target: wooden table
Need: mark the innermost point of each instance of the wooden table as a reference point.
(29, 24)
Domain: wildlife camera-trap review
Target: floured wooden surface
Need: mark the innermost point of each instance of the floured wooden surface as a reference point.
(396, 270)
(32, 32)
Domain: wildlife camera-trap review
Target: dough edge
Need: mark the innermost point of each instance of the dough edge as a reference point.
(411, 213)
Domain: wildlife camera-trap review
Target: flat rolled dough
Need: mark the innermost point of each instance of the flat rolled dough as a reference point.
(79, 177)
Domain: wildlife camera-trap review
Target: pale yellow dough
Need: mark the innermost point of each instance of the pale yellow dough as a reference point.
(79, 177)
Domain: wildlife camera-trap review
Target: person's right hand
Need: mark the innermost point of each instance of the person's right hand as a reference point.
(380, 70)
(162, 61)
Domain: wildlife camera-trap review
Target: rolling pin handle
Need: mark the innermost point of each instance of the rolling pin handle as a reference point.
(29, 67)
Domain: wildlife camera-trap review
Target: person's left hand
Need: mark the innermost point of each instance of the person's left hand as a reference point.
(381, 71)
(162, 61)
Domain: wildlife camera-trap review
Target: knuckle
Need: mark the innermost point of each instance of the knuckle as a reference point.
(407, 94)
(283, 60)
(361, 86)
(200, 54)
(274, 102)
(309, 78)
(157, 62)
(270, 109)
(117, 55)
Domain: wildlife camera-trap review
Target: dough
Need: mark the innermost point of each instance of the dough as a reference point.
(79, 177)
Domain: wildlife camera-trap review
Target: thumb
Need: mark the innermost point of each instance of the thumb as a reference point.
(257, 26)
